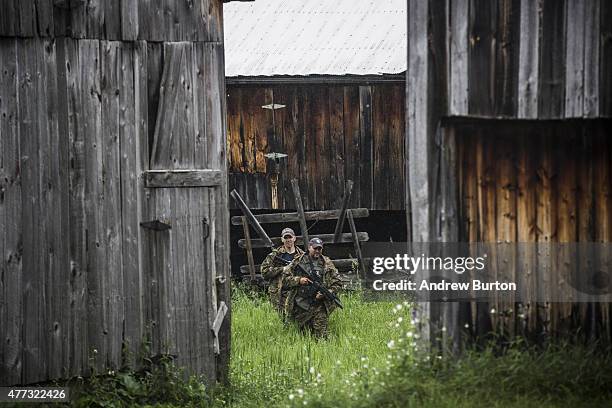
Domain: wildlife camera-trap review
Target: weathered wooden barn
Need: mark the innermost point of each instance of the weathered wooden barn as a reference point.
(113, 187)
(508, 107)
(338, 69)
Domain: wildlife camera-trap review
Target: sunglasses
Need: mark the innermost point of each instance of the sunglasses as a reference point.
(287, 236)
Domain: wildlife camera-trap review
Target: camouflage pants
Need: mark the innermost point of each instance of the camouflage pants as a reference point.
(314, 320)
(278, 299)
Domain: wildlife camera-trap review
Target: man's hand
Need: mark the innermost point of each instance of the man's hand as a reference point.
(319, 296)
(304, 280)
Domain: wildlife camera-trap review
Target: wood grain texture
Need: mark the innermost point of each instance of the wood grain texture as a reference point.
(182, 178)
(574, 58)
(11, 216)
(458, 45)
(605, 65)
(114, 20)
(320, 129)
(31, 109)
(326, 238)
(294, 217)
(528, 68)
(548, 185)
(79, 113)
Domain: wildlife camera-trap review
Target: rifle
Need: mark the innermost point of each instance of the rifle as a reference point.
(313, 281)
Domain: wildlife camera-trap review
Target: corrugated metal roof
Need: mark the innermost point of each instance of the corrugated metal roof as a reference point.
(315, 37)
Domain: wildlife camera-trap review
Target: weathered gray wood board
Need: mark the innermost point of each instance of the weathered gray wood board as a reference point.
(326, 238)
(113, 19)
(513, 58)
(84, 284)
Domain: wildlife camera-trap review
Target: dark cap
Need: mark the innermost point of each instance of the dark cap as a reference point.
(287, 231)
(316, 242)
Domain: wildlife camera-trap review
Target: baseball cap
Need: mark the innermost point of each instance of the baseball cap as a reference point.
(287, 231)
(316, 242)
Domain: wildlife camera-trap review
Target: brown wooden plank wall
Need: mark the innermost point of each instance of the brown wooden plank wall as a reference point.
(531, 182)
(160, 20)
(331, 133)
(82, 284)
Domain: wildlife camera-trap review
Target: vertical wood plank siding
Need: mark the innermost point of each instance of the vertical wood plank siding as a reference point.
(331, 134)
(546, 59)
(559, 193)
(114, 20)
(82, 284)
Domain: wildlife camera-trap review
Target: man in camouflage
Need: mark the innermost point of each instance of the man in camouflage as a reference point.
(307, 307)
(272, 270)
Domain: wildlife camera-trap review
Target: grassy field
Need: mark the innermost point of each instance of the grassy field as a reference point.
(273, 363)
(370, 360)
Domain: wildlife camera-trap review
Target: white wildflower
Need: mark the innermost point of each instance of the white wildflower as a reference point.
(391, 344)
(291, 396)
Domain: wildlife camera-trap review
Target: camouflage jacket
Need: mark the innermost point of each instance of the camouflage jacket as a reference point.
(271, 270)
(291, 280)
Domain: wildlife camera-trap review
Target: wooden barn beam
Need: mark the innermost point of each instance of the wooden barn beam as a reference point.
(342, 217)
(300, 210)
(309, 215)
(299, 240)
(251, 218)
(355, 237)
(182, 178)
(249, 247)
(343, 265)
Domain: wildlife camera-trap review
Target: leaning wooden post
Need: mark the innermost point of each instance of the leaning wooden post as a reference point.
(351, 221)
(300, 210)
(251, 218)
(249, 248)
(342, 217)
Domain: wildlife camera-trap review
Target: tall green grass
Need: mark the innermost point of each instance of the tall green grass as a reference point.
(370, 360)
(273, 363)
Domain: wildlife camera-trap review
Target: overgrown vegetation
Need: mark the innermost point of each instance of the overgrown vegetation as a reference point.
(370, 360)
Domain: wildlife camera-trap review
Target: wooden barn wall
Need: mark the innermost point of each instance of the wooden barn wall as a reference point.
(82, 283)
(331, 134)
(533, 59)
(535, 182)
(526, 58)
(161, 20)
